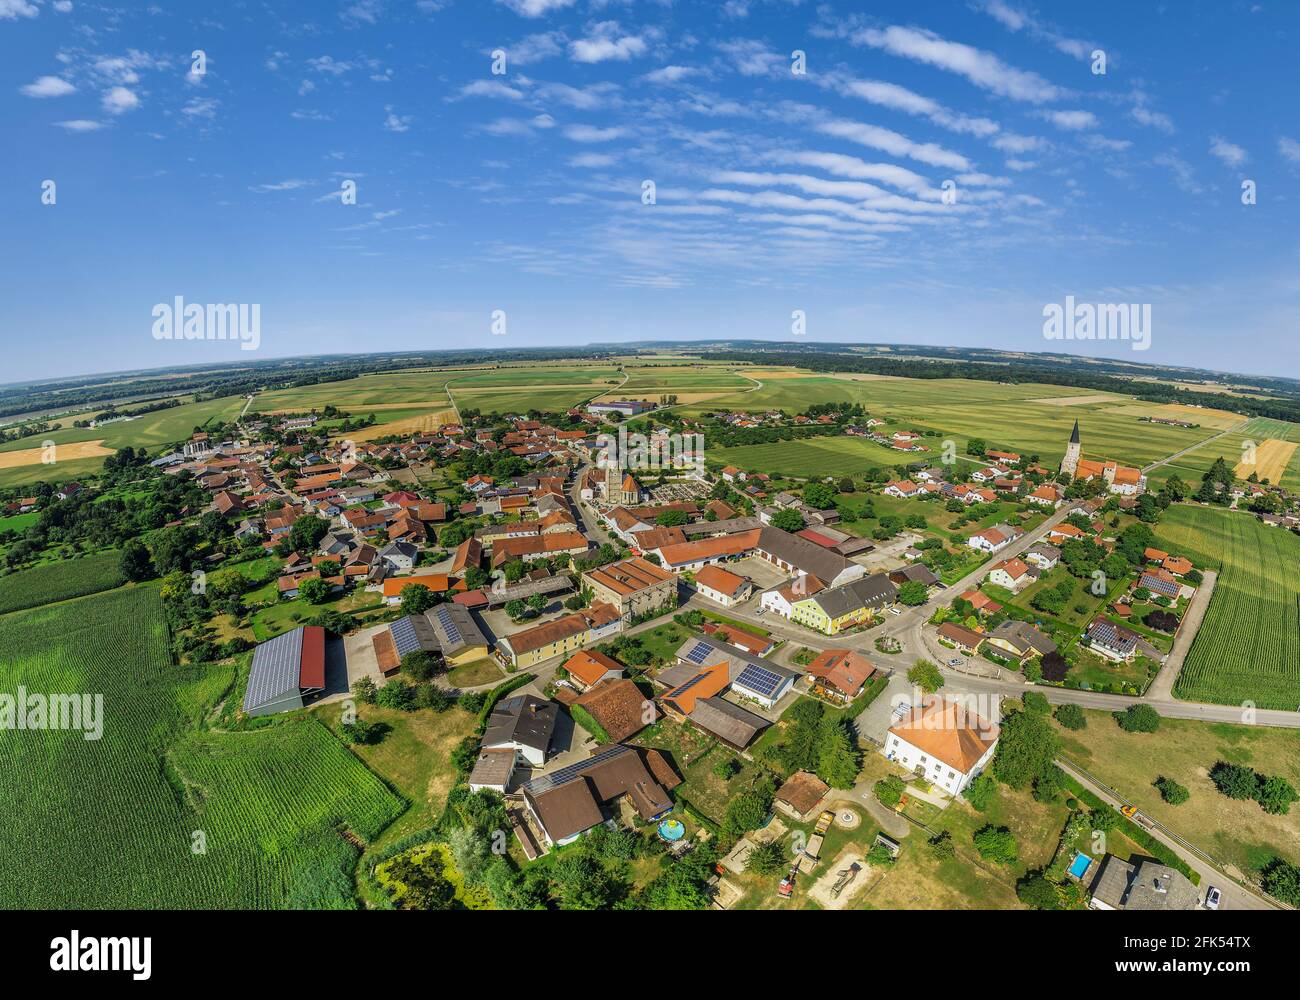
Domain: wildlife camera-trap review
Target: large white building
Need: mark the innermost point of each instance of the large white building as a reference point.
(944, 742)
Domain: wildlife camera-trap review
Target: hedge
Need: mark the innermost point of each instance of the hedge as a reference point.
(583, 718)
(499, 692)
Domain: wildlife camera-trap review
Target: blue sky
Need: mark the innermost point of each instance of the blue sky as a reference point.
(775, 191)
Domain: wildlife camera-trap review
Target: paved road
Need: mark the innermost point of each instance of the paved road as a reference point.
(1235, 896)
(589, 522)
(1179, 454)
(1162, 688)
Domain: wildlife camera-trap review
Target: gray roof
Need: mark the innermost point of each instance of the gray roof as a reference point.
(916, 573)
(455, 628)
(1051, 551)
(736, 659)
(399, 548)
(809, 557)
(1111, 882)
(728, 722)
(1110, 635)
(493, 767)
(872, 591)
(726, 526)
(275, 673)
(1024, 637)
(1159, 887)
(523, 719)
(527, 588)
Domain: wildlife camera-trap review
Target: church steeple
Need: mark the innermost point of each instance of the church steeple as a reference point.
(1073, 451)
(1074, 435)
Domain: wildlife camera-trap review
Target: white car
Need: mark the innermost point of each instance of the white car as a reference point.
(956, 662)
(895, 611)
(1212, 897)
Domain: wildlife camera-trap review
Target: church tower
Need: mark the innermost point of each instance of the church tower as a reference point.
(1070, 462)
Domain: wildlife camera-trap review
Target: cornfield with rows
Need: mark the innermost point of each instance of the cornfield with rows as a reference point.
(60, 581)
(1248, 647)
(159, 813)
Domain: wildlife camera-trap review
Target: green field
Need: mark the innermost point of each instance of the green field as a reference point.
(19, 522)
(59, 581)
(114, 822)
(816, 457)
(162, 427)
(1248, 647)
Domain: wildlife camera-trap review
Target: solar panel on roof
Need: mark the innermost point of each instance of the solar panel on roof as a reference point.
(566, 774)
(698, 653)
(453, 633)
(757, 679)
(404, 638)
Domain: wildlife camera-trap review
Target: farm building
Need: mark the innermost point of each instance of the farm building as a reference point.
(286, 671)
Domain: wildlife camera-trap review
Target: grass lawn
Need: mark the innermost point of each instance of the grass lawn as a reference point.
(285, 615)
(1235, 832)
(484, 671)
(19, 522)
(413, 758)
(1101, 674)
(695, 755)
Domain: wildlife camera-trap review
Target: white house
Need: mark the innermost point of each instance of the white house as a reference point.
(781, 600)
(722, 586)
(399, 556)
(901, 488)
(1014, 574)
(1042, 555)
(993, 539)
(943, 741)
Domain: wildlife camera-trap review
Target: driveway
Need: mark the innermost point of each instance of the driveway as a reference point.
(1163, 686)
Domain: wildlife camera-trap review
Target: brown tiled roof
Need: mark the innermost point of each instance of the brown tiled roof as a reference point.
(844, 669)
(719, 579)
(589, 666)
(629, 576)
(948, 732)
(802, 791)
(709, 548)
(619, 707)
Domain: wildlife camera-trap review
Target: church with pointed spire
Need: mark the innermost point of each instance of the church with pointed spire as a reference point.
(1070, 463)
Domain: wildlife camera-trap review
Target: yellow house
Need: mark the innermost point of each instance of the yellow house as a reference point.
(555, 638)
(834, 611)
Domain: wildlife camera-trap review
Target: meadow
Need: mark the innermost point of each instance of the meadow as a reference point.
(159, 813)
(59, 581)
(1248, 646)
(1234, 831)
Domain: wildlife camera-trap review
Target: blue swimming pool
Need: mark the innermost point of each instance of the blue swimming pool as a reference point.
(1080, 864)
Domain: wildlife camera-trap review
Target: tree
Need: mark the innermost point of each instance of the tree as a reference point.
(1275, 795)
(1036, 701)
(838, 759)
(137, 564)
(1282, 880)
(364, 690)
(889, 790)
(396, 694)
(516, 609)
(996, 844)
(979, 793)
(1171, 791)
(1036, 892)
(1105, 818)
(727, 768)
(416, 598)
(307, 532)
(766, 859)
(926, 676)
(942, 845)
(360, 732)
(1048, 785)
(314, 591)
(1026, 749)
(748, 810)
(1138, 719)
(1235, 780)
(420, 664)
(788, 520)
(672, 518)
(1071, 716)
(913, 593)
(1054, 666)
(819, 495)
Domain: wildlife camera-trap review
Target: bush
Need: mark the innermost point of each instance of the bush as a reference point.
(1038, 893)
(1036, 701)
(979, 793)
(364, 690)
(889, 790)
(1138, 719)
(942, 845)
(1234, 780)
(996, 843)
(396, 694)
(766, 859)
(420, 664)
(1071, 716)
(1171, 791)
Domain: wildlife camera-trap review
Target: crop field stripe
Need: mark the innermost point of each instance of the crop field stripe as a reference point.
(1248, 647)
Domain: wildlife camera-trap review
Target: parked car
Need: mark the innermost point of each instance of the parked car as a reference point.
(1212, 897)
(956, 661)
(895, 611)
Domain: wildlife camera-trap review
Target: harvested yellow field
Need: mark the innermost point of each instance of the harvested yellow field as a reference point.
(61, 453)
(422, 424)
(1220, 420)
(1271, 459)
(682, 397)
(364, 408)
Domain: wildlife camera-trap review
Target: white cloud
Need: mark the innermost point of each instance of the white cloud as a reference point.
(671, 74)
(1015, 20)
(62, 6)
(119, 100)
(891, 95)
(1231, 154)
(48, 86)
(328, 64)
(842, 165)
(535, 48)
(200, 107)
(592, 160)
(983, 69)
(394, 122)
(363, 10)
(289, 185)
(590, 98)
(1010, 142)
(894, 143)
(491, 88)
(1289, 148)
(1184, 177)
(1071, 121)
(80, 125)
(11, 10)
(536, 8)
(606, 42)
(590, 133)
(752, 58)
